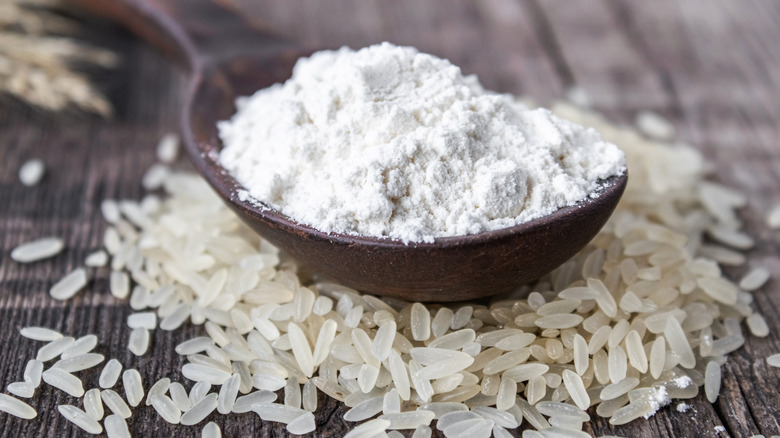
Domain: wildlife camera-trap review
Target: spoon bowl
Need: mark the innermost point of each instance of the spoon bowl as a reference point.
(227, 57)
(449, 269)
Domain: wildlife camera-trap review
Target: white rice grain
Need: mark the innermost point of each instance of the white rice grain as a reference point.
(365, 409)
(116, 427)
(110, 374)
(82, 345)
(114, 402)
(712, 381)
(166, 409)
(654, 125)
(69, 285)
(168, 148)
(16, 407)
(636, 351)
(581, 357)
(159, 388)
(200, 410)
(408, 420)
(369, 429)
(36, 250)
(96, 259)
(64, 381)
(80, 419)
(79, 363)
(576, 388)
(40, 334)
(309, 396)
(423, 431)
(180, 397)
(754, 279)
(145, 320)
(119, 284)
(21, 389)
(110, 211)
(244, 404)
(383, 341)
(301, 349)
(134, 389)
(154, 178)
(54, 348)
(757, 325)
(420, 322)
(618, 389)
(227, 394)
(32, 172)
(773, 217)
(678, 342)
(93, 405)
(176, 318)
(138, 344)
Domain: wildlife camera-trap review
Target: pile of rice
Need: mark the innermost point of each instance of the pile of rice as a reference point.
(641, 316)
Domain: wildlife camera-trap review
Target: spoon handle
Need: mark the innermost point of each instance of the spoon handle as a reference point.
(195, 33)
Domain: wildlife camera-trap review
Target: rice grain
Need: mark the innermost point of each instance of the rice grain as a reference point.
(93, 405)
(79, 363)
(36, 250)
(16, 407)
(134, 389)
(80, 419)
(64, 381)
(116, 427)
(227, 394)
(166, 408)
(32, 172)
(114, 402)
(712, 381)
(200, 410)
(32, 372)
(110, 374)
(138, 344)
(69, 285)
(211, 430)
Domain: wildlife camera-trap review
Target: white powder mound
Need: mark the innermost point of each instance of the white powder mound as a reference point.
(682, 381)
(390, 142)
(658, 399)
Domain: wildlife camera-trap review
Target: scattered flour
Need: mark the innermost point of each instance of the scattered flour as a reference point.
(660, 398)
(390, 142)
(682, 381)
(683, 407)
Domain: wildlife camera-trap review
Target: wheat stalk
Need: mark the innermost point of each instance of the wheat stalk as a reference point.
(36, 60)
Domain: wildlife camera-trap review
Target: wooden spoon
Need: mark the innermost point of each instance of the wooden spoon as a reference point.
(228, 57)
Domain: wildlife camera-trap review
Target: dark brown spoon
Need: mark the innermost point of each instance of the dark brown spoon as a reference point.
(227, 58)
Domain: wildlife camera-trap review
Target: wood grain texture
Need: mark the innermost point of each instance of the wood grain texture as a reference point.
(711, 67)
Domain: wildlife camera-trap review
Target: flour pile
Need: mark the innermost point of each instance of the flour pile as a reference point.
(390, 142)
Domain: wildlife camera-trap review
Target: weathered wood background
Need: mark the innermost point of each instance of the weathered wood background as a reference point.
(712, 67)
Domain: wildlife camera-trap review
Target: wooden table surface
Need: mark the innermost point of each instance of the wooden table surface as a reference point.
(711, 67)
